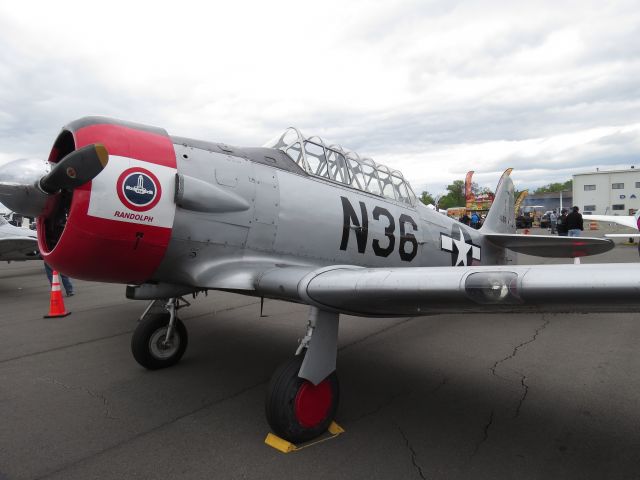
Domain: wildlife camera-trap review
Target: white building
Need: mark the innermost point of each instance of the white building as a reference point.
(607, 193)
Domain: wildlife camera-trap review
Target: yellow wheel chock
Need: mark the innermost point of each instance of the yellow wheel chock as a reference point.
(284, 446)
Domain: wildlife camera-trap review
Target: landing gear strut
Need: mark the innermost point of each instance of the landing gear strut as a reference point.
(302, 397)
(160, 339)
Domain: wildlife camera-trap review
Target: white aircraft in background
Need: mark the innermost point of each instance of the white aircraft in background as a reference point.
(17, 243)
(631, 221)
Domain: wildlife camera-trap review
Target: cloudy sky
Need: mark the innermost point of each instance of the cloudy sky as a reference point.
(432, 88)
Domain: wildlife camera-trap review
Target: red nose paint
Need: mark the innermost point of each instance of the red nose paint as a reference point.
(126, 248)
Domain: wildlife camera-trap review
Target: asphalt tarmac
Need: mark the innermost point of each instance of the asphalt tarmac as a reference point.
(530, 396)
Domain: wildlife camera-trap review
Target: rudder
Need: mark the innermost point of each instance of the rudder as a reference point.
(501, 216)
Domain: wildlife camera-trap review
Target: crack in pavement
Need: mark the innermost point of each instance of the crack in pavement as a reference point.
(523, 378)
(414, 460)
(105, 403)
(485, 435)
(151, 430)
(523, 382)
(524, 395)
(518, 347)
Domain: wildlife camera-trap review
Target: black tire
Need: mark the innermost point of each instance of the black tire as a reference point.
(146, 342)
(287, 396)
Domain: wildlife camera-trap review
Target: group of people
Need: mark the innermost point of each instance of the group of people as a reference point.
(474, 221)
(566, 224)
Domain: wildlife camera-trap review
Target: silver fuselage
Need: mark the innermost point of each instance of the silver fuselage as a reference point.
(297, 219)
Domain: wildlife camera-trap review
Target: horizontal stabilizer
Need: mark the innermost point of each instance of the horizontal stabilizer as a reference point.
(551, 245)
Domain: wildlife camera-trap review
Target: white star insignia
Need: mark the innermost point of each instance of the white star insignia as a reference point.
(462, 248)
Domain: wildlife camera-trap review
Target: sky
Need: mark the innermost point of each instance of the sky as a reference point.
(431, 88)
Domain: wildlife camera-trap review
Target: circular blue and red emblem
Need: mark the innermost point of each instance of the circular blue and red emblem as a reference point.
(138, 189)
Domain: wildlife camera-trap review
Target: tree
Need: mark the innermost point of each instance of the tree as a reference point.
(555, 187)
(455, 196)
(427, 198)
(482, 191)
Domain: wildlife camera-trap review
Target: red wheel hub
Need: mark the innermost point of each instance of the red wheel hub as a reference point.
(313, 403)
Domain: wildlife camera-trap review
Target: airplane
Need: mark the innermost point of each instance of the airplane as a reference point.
(296, 220)
(631, 221)
(17, 243)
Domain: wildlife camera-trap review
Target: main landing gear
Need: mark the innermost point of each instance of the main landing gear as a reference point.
(302, 396)
(297, 410)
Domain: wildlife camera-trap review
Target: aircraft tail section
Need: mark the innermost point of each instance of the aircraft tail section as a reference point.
(501, 216)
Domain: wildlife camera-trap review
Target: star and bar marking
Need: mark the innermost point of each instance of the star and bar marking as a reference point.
(460, 247)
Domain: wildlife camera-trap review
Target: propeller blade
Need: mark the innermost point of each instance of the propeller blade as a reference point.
(76, 169)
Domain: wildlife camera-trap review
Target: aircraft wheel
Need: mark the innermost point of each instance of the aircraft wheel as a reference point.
(297, 410)
(148, 345)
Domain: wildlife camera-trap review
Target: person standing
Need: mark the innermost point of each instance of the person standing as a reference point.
(66, 281)
(574, 223)
(474, 220)
(553, 218)
(561, 224)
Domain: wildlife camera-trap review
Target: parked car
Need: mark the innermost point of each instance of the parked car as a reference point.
(524, 221)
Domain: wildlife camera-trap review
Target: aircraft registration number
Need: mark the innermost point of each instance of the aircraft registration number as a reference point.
(407, 245)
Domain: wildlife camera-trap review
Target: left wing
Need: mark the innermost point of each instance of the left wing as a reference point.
(382, 292)
(18, 248)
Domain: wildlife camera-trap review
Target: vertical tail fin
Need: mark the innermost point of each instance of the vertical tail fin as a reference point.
(501, 216)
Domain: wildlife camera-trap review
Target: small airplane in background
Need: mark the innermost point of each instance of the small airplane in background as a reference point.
(631, 221)
(17, 243)
(296, 220)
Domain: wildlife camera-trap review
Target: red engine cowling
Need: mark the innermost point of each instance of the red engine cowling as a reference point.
(117, 227)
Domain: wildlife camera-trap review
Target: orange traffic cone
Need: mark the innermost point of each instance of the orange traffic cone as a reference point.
(56, 305)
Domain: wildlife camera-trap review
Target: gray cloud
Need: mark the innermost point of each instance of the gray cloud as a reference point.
(472, 74)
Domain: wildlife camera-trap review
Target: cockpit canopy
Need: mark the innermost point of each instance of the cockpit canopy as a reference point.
(337, 164)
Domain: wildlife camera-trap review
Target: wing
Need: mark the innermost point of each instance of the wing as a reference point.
(426, 290)
(625, 220)
(551, 245)
(18, 248)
